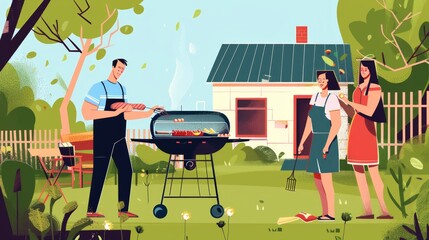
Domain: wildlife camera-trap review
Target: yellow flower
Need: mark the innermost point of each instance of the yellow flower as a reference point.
(186, 216)
(107, 225)
(229, 212)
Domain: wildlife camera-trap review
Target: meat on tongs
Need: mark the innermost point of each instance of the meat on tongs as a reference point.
(136, 106)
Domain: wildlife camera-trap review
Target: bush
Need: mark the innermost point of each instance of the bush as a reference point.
(266, 154)
(422, 206)
(415, 155)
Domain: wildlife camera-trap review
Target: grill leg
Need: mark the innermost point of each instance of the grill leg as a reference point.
(165, 181)
(214, 178)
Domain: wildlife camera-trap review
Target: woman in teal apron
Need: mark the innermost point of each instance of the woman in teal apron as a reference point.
(324, 122)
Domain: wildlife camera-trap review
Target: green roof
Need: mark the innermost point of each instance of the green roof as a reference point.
(279, 62)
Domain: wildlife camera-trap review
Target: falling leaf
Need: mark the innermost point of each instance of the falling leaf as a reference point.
(177, 26)
(100, 53)
(328, 51)
(54, 81)
(127, 29)
(397, 56)
(31, 54)
(336, 54)
(197, 13)
(46, 63)
(38, 108)
(343, 57)
(369, 37)
(92, 67)
(144, 65)
(65, 57)
(138, 9)
(64, 25)
(416, 163)
(328, 61)
(91, 47)
(342, 71)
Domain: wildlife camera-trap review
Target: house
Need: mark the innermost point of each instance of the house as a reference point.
(265, 89)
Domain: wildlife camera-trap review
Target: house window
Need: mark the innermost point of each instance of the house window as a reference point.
(251, 117)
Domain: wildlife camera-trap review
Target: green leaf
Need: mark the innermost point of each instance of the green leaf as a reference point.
(393, 175)
(416, 163)
(369, 37)
(408, 182)
(92, 67)
(121, 205)
(411, 199)
(46, 63)
(123, 217)
(54, 81)
(100, 54)
(336, 54)
(343, 57)
(281, 154)
(138, 9)
(91, 47)
(64, 57)
(393, 199)
(337, 238)
(38, 108)
(64, 25)
(31, 54)
(328, 61)
(39, 220)
(126, 29)
(177, 26)
(197, 13)
(144, 66)
(424, 27)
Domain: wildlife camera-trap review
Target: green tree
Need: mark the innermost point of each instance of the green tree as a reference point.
(11, 39)
(396, 33)
(64, 20)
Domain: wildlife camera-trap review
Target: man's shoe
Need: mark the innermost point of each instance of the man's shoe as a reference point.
(130, 214)
(94, 215)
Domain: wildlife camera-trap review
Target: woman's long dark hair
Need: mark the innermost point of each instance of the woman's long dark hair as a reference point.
(379, 115)
(332, 79)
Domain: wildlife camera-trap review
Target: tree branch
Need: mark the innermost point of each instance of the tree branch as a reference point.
(400, 68)
(83, 11)
(12, 20)
(46, 35)
(384, 35)
(384, 5)
(418, 47)
(58, 39)
(109, 16)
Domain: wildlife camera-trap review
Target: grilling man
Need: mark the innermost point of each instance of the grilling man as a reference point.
(109, 135)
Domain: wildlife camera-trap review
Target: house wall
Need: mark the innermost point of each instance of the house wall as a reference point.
(280, 107)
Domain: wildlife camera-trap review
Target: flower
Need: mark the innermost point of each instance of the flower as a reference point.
(186, 216)
(139, 229)
(107, 225)
(229, 212)
(346, 216)
(220, 224)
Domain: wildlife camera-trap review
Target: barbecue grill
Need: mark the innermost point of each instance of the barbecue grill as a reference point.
(189, 133)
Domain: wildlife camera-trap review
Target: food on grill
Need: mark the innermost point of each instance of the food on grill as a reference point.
(179, 120)
(137, 106)
(209, 131)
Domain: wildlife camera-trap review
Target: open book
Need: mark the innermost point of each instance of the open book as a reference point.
(305, 217)
(67, 149)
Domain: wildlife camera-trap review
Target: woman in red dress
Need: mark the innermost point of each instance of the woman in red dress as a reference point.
(362, 149)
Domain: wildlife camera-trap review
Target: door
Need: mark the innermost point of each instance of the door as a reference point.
(301, 109)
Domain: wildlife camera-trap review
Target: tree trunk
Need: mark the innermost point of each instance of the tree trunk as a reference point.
(9, 46)
(64, 115)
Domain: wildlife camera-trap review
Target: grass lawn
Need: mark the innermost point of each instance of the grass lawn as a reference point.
(257, 195)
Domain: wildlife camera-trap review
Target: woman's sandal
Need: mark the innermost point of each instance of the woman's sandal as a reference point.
(326, 217)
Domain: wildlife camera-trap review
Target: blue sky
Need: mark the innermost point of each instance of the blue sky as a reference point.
(179, 62)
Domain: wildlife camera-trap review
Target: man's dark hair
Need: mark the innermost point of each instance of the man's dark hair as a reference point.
(120, 60)
(332, 79)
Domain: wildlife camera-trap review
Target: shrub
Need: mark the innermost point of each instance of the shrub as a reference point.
(422, 206)
(266, 154)
(415, 154)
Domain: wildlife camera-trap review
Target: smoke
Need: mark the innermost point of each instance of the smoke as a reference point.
(183, 75)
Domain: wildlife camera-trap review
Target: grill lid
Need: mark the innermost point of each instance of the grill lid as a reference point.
(189, 124)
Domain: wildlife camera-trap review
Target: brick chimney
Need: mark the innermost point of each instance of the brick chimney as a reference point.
(301, 34)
